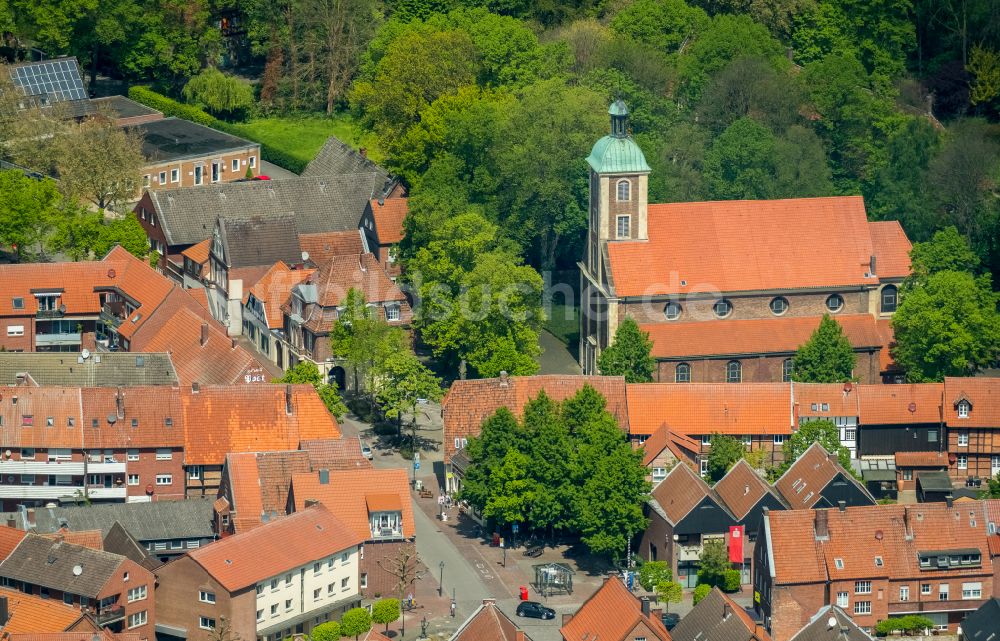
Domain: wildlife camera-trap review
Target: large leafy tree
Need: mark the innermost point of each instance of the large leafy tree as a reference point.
(221, 94)
(499, 434)
(364, 340)
(824, 432)
(547, 439)
(405, 381)
(28, 210)
(307, 373)
(725, 452)
(629, 354)
(100, 162)
(827, 357)
(739, 162)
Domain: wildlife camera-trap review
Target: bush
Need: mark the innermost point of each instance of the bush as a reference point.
(701, 591)
(731, 581)
(355, 621)
(329, 631)
(385, 611)
(652, 573)
(219, 93)
(910, 624)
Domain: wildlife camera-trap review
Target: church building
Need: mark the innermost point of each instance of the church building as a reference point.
(729, 290)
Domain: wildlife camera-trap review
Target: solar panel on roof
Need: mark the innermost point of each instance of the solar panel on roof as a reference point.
(55, 80)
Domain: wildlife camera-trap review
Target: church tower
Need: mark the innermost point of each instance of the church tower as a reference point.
(619, 178)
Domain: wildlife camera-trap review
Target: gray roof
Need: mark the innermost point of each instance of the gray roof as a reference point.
(71, 370)
(936, 481)
(172, 139)
(337, 158)
(50, 563)
(154, 521)
(708, 621)
(252, 241)
(819, 628)
(119, 541)
(320, 204)
(124, 107)
(981, 625)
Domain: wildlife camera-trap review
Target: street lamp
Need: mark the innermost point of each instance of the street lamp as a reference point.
(441, 582)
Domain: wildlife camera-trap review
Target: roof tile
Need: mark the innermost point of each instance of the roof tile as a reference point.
(347, 492)
(610, 614)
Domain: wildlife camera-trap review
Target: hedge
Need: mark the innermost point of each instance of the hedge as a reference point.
(171, 107)
(910, 624)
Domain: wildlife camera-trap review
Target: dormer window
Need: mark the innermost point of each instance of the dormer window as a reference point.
(624, 191)
(964, 407)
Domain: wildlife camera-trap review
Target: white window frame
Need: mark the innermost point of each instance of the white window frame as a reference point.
(659, 473)
(627, 184)
(703, 466)
(972, 590)
(843, 599)
(133, 479)
(132, 454)
(862, 587)
(253, 162)
(779, 439)
(162, 178)
(392, 312)
(963, 409)
(345, 584)
(963, 438)
(706, 439)
(137, 593)
(203, 622)
(962, 461)
(205, 596)
(164, 479)
(235, 164)
(15, 330)
(944, 591)
(925, 588)
(623, 226)
(904, 593)
(164, 454)
(862, 607)
(175, 176)
(137, 619)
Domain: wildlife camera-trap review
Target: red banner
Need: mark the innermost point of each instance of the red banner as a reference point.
(736, 544)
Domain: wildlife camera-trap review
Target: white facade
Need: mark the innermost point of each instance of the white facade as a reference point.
(308, 594)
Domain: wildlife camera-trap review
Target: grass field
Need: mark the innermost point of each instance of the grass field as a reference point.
(564, 323)
(302, 136)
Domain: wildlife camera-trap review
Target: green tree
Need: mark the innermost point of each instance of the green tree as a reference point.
(499, 434)
(100, 162)
(127, 232)
(511, 491)
(669, 592)
(822, 431)
(946, 251)
(329, 631)
(701, 591)
(901, 190)
(800, 165)
(583, 409)
(547, 439)
(947, 325)
(628, 354)
(365, 340)
(827, 357)
(305, 372)
(220, 94)
(652, 573)
(992, 490)
(739, 163)
(355, 622)
(404, 382)
(714, 563)
(664, 24)
(385, 611)
(28, 209)
(725, 452)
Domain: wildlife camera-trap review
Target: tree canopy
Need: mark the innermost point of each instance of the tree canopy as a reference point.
(827, 357)
(628, 354)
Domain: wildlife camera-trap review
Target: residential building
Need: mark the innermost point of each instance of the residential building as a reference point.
(227, 420)
(255, 485)
(164, 529)
(817, 480)
(664, 449)
(374, 504)
(382, 225)
(263, 321)
(901, 418)
(79, 633)
(910, 465)
(873, 562)
(759, 414)
(54, 84)
(107, 369)
(470, 402)
(324, 246)
(22, 613)
(315, 304)
(729, 290)
(280, 579)
(971, 408)
(118, 591)
(612, 613)
(180, 153)
(836, 402)
(718, 618)
(489, 623)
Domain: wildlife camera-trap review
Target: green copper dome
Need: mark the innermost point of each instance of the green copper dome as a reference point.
(617, 153)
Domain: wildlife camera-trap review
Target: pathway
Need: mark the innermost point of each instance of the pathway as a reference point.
(556, 357)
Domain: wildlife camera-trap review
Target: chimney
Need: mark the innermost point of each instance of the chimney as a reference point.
(11, 523)
(120, 403)
(324, 476)
(30, 520)
(726, 610)
(195, 387)
(504, 381)
(822, 526)
(907, 533)
(4, 612)
(842, 506)
(950, 500)
(645, 607)
(311, 502)
(204, 334)
(288, 399)
(233, 345)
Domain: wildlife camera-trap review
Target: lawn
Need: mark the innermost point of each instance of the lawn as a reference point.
(302, 136)
(564, 323)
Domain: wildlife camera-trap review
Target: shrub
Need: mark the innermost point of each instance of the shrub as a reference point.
(385, 611)
(355, 622)
(329, 631)
(652, 573)
(701, 591)
(731, 581)
(909, 624)
(219, 93)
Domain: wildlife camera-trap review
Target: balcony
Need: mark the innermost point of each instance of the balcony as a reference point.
(51, 314)
(951, 605)
(106, 466)
(104, 493)
(107, 616)
(113, 314)
(57, 339)
(41, 492)
(72, 468)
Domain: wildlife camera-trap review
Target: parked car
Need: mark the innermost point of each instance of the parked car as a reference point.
(670, 620)
(534, 610)
(366, 450)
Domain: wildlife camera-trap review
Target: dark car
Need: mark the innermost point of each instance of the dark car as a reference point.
(535, 610)
(670, 620)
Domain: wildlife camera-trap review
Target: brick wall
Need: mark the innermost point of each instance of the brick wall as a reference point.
(619, 208)
(119, 585)
(148, 468)
(983, 445)
(178, 586)
(380, 582)
(656, 543)
(759, 369)
(186, 178)
(792, 607)
(748, 306)
(21, 343)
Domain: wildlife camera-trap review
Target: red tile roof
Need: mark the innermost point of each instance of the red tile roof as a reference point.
(389, 216)
(829, 399)
(151, 417)
(78, 635)
(610, 614)
(661, 439)
(706, 245)
(892, 249)
(801, 483)
(982, 393)
(242, 560)
(347, 492)
(680, 492)
(198, 252)
(336, 454)
(488, 623)
(324, 246)
(706, 408)
(362, 272)
(274, 288)
(735, 338)
(9, 538)
(468, 403)
(921, 459)
(221, 420)
(29, 614)
(741, 489)
(994, 545)
(900, 404)
(857, 535)
(92, 539)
